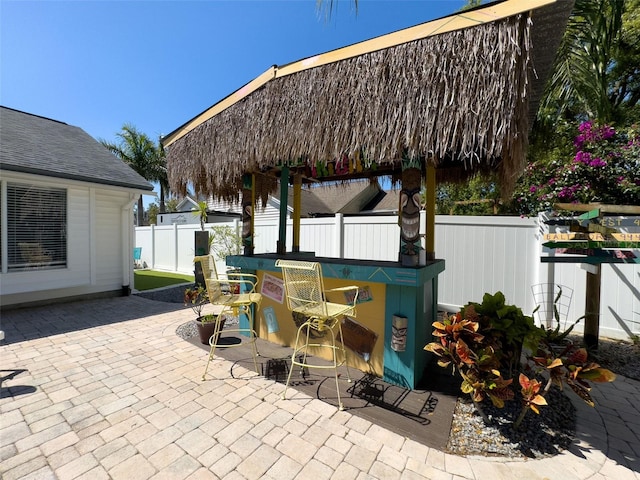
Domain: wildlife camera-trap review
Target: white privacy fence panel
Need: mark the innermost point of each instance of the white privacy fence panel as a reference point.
(166, 245)
(316, 235)
(482, 254)
(144, 238)
(573, 280)
(372, 238)
(486, 255)
(266, 236)
(620, 300)
(187, 248)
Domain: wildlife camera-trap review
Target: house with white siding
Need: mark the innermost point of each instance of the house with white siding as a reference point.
(66, 213)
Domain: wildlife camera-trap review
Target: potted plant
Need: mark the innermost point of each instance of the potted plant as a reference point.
(197, 298)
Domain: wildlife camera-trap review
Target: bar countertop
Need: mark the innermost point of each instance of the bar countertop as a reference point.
(387, 272)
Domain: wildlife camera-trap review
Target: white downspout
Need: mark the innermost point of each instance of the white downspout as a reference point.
(127, 244)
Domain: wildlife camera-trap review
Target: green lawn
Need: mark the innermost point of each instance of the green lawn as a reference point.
(149, 279)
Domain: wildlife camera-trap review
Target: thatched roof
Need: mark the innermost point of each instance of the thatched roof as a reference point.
(457, 92)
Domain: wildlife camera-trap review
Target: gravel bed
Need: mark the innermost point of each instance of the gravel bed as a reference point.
(189, 329)
(621, 357)
(170, 294)
(543, 435)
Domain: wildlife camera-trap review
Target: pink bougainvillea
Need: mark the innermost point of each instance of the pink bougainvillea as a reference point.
(605, 169)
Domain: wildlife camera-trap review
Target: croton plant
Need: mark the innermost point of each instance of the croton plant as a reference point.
(482, 340)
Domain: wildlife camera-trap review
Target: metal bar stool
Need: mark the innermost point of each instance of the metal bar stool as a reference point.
(235, 295)
(306, 296)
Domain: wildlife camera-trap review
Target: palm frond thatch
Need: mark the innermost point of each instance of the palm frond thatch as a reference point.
(460, 100)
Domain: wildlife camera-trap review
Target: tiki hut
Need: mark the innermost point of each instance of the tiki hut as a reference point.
(457, 93)
(445, 99)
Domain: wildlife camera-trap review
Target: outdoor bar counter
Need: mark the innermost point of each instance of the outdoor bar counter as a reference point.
(395, 309)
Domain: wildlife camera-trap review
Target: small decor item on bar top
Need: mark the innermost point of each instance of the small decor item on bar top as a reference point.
(197, 298)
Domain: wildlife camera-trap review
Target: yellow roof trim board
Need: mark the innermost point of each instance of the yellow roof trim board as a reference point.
(451, 23)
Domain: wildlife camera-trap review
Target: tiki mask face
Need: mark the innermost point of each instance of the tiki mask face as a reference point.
(247, 213)
(410, 205)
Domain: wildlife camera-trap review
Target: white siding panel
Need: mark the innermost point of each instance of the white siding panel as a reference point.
(269, 214)
(224, 206)
(78, 236)
(94, 245)
(108, 241)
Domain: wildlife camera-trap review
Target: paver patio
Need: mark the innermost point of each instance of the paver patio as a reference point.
(106, 389)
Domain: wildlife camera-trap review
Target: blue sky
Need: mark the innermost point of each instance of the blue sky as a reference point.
(156, 64)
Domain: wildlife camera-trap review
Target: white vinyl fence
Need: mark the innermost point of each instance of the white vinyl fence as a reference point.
(482, 255)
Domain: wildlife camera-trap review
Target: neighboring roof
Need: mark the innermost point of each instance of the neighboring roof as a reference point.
(42, 146)
(457, 93)
(340, 198)
(329, 199)
(187, 202)
(310, 204)
(388, 203)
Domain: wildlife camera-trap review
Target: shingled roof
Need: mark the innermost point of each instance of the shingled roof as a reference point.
(457, 92)
(42, 146)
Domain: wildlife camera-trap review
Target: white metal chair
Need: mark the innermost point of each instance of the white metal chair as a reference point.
(306, 296)
(235, 294)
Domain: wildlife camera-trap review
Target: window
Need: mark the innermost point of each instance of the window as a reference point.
(36, 227)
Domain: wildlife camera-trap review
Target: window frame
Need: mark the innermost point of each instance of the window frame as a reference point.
(36, 227)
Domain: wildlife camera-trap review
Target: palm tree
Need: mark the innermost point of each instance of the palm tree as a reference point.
(162, 177)
(138, 151)
(582, 80)
(201, 212)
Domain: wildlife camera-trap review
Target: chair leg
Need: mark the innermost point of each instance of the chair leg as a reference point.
(293, 356)
(303, 362)
(213, 341)
(306, 351)
(252, 338)
(334, 349)
(344, 351)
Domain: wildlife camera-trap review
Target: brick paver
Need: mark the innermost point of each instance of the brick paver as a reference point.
(122, 398)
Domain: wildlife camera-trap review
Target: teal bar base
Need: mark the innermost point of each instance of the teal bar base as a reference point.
(411, 292)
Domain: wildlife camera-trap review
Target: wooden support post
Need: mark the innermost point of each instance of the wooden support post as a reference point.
(253, 211)
(592, 309)
(297, 196)
(284, 196)
(431, 212)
